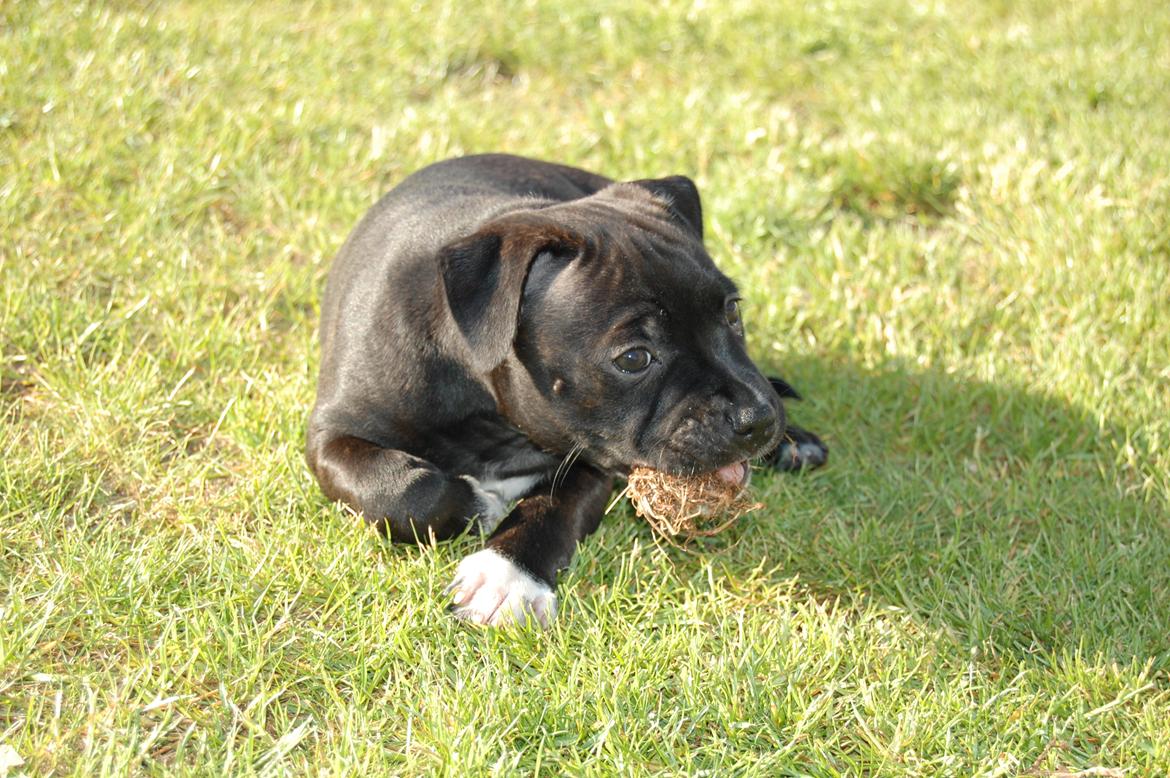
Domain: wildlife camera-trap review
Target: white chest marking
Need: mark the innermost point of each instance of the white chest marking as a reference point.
(496, 495)
(508, 489)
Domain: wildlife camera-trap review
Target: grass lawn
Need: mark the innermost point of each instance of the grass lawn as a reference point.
(951, 221)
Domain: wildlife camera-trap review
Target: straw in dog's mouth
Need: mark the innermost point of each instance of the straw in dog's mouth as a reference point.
(682, 508)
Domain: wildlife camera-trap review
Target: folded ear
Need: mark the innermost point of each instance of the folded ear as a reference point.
(681, 197)
(483, 277)
(783, 388)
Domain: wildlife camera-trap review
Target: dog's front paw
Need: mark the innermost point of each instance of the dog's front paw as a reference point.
(491, 589)
(800, 450)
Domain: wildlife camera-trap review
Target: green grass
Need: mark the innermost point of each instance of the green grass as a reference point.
(950, 223)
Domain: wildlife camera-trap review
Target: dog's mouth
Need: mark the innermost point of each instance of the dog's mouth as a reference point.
(687, 461)
(684, 463)
(737, 473)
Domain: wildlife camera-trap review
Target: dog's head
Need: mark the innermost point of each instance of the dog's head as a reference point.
(603, 325)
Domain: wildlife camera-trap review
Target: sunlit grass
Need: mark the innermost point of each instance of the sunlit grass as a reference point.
(950, 225)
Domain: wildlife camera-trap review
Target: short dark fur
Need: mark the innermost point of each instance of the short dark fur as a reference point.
(469, 328)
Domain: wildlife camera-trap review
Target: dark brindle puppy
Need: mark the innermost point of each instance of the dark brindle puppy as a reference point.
(498, 328)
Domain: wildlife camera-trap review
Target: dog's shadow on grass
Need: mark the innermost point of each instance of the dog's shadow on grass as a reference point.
(1009, 518)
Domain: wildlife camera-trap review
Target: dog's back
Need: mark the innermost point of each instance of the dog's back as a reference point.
(385, 276)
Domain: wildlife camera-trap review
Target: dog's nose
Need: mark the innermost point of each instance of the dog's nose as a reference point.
(753, 421)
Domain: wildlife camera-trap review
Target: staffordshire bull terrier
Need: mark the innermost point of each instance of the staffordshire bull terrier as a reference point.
(499, 329)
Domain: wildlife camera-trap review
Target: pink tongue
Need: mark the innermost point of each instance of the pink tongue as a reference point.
(733, 474)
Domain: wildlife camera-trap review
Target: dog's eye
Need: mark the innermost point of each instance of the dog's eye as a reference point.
(634, 361)
(731, 312)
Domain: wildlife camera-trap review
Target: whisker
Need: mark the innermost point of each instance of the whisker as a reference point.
(564, 466)
(574, 455)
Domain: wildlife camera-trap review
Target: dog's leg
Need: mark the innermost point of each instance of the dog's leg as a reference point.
(404, 496)
(800, 449)
(516, 574)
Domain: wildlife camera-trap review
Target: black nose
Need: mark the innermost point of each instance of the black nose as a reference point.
(753, 422)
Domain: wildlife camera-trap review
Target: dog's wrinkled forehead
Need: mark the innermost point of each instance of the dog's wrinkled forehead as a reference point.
(637, 254)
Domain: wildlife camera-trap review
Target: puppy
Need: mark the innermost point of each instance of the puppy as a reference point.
(499, 329)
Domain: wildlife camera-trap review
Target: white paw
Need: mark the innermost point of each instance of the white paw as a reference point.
(491, 589)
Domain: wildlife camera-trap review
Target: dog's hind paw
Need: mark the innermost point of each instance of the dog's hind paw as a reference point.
(491, 589)
(800, 450)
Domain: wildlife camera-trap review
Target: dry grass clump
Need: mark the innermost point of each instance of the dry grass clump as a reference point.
(686, 507)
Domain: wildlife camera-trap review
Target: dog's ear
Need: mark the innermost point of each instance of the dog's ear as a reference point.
(681, 197)
(483, 277)
(783, 388)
